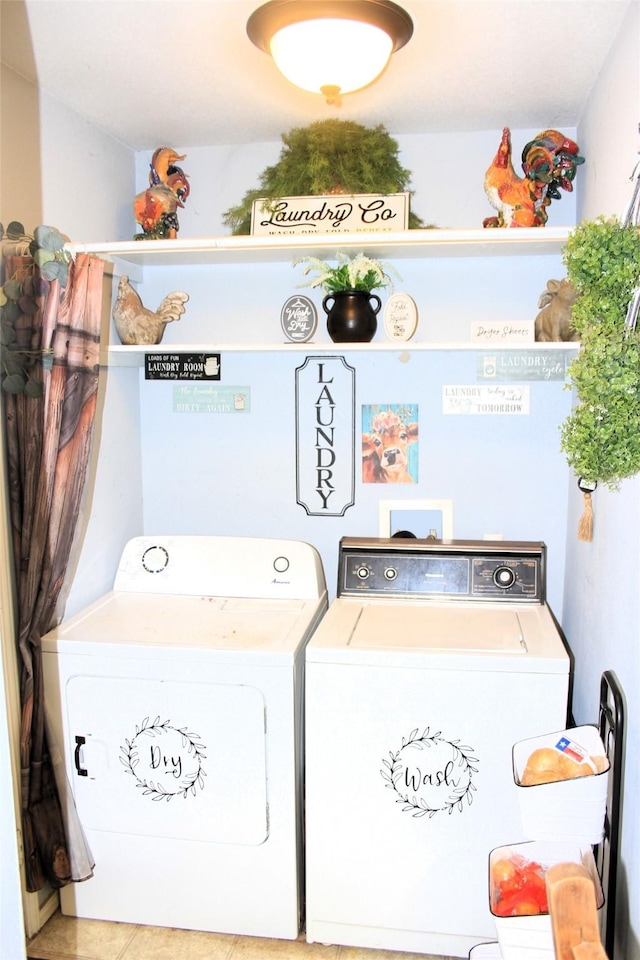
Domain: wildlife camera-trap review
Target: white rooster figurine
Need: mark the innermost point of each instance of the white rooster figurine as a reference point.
(137, 325)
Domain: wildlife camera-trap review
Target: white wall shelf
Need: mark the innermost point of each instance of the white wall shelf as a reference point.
(133, 356)
(132, 257)
(408, 243)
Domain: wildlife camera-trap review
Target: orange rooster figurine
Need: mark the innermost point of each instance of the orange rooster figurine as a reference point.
(137, 325)
(549, 162)
(155, 209)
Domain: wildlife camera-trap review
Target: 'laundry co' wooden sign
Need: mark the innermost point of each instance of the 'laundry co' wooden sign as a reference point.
(338, 213)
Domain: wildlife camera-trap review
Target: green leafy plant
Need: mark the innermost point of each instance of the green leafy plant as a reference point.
(328, 157)
(21, 296)
(351, 273)
(601, 435)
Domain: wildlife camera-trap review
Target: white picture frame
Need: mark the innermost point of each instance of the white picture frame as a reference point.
(388, 507)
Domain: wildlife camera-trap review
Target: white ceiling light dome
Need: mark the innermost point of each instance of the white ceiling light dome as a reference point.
(330, 46)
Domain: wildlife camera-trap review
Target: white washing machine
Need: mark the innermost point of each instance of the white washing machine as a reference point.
(178, 699)
(434, 658)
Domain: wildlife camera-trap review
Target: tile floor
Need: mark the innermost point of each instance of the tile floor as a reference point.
(68, 938)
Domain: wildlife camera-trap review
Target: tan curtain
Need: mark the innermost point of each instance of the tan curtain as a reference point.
(48, 444)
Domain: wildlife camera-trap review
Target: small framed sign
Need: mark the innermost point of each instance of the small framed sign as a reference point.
(299, 319)
(502, 331)
(400, 317)
(182, 366)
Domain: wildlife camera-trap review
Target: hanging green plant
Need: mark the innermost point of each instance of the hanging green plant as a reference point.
(601, 435)
(328, 157)
(21, 295)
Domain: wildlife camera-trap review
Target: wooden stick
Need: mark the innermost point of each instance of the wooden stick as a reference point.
(589, 951)
(574, 914)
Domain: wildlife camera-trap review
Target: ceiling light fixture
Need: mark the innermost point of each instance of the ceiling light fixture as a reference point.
(330, 46)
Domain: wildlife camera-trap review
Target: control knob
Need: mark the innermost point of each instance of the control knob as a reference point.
(504, 577)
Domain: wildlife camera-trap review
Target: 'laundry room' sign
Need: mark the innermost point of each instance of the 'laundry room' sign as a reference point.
(182, 366)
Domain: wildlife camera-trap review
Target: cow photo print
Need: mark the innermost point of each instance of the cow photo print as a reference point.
(390, 443)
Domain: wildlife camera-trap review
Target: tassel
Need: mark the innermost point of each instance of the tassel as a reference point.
(585, 526)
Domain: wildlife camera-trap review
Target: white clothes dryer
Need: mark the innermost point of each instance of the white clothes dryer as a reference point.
(178, 700)
(432, 661)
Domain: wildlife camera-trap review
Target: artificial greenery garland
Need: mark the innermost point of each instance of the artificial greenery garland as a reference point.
(601, 436)
(329, 156)
(22, 295)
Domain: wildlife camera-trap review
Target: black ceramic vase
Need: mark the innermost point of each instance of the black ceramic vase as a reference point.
(352, 316)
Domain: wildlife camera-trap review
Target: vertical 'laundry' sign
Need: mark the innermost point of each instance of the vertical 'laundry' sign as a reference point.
(325, 431)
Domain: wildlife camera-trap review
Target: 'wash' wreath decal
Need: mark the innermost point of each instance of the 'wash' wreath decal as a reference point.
(165, 761)
(429, 774)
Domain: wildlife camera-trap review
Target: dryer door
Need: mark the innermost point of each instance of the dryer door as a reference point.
(168, 759)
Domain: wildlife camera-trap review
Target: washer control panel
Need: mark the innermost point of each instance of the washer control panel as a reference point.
(476, 570)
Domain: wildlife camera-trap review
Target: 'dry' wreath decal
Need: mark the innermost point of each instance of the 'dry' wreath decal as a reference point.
(165, 761)
(429, 774)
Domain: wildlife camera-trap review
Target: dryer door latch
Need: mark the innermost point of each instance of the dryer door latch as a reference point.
(80, 742)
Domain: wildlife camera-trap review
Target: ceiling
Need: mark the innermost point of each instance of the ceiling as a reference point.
(183, 72)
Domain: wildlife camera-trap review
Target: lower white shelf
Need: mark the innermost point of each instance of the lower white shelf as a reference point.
(133, 356)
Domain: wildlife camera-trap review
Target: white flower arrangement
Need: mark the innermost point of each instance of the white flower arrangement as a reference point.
(351, 273)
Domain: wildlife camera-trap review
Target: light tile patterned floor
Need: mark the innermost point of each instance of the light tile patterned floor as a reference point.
(68, 938)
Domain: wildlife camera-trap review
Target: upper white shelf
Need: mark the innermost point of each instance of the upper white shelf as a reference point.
(133, 356)
(407, 243)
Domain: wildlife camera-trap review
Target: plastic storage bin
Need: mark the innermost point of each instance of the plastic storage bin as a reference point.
(564, 810)
(531, 937)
